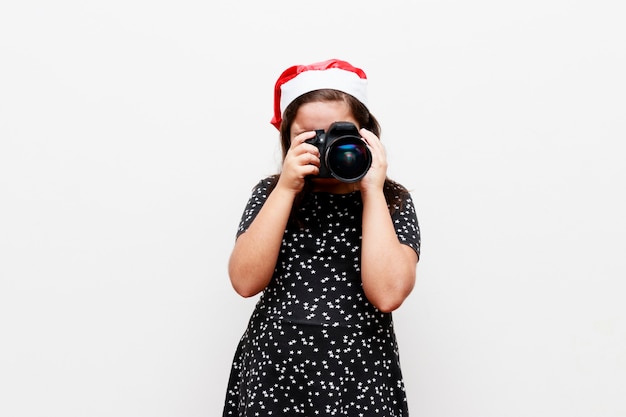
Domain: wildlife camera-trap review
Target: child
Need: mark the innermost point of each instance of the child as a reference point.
(333, 258)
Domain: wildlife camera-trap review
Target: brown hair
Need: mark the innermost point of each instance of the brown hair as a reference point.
(394, 192)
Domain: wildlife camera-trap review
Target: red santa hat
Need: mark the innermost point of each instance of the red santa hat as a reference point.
(300, 79)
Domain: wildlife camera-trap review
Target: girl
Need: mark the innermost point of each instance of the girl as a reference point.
(332, 259)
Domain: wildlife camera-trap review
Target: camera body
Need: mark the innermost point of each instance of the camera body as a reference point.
(343, 154)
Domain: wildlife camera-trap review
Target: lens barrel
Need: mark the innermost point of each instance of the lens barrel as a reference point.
(348, 158)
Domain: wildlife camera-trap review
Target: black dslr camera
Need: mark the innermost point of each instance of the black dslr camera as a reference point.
(343, 154)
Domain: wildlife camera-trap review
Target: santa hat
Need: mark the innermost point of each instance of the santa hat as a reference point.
(300, 79)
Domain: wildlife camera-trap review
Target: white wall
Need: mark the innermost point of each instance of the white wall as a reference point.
(132, 131)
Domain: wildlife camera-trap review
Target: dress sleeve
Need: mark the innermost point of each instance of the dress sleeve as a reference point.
(256, 201)
(406, 224)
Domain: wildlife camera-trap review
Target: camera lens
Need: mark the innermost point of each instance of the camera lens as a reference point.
(348, 159)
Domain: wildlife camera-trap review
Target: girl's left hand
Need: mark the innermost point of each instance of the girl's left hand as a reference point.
(375, 177)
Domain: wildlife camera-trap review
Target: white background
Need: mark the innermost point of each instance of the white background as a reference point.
(131, 133)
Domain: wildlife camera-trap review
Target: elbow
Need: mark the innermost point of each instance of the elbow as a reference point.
(387, 306)
(388, 283)
(240, 286)
(389, 298)
(245, 292)
(242, 283)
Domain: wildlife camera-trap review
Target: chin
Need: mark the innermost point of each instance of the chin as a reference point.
(333, 185)
(318, 180)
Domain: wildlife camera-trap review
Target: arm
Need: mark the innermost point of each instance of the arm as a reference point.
(254, 256)
(388, 267)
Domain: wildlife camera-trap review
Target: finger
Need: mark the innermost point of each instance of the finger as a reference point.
(310, 149)
(372, 141)
(369, 137)
(308, 158)
(297, 151)
(311, 170)
(299, 139)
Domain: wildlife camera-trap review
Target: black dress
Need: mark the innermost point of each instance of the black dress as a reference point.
(315, 346)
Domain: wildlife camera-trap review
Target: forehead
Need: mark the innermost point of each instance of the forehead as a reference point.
(320, 115)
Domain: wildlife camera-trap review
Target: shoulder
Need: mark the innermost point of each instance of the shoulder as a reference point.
(265, 185)
(397, 195)
(395, 187)
(263, 188)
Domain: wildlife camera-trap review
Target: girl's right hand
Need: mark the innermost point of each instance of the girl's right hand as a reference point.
(302, 160)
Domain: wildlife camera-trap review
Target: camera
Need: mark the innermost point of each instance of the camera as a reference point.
(343, 154)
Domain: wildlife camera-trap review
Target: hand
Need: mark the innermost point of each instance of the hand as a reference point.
(302, 160)
(375, 177)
